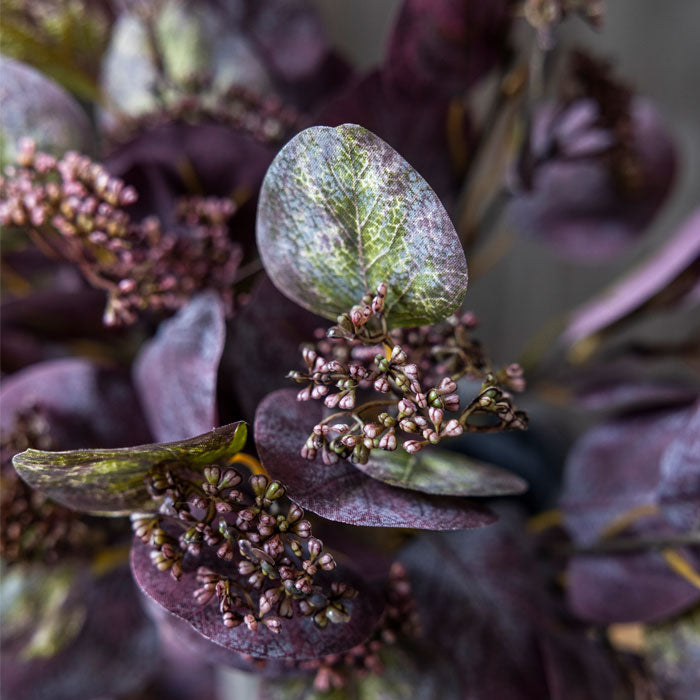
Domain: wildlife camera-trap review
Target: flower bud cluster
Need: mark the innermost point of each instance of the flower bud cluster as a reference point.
(407, 369)
(399, 623)
(33, 528)
(252, 526)
(74, 209)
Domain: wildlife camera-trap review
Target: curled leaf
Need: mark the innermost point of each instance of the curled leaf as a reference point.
(176, 371)
(340, 211)
(112, 481)
(298, 637)
(441, 472)
(341, 492)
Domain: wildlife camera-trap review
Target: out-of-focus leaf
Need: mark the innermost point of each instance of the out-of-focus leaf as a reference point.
(64, 39)
(673, 655)
(176, 372)
(85, 403)
(446, 45)
(35, 107)
(614, 488)
(341, 492)
(639, 286)
(264, 344)
(274, 46)
(680, 476)
(298, 638)
(442, 472)
(112, 481)
(485, 610)
(629, 587)
(113, 653)
(340, 211)
(576, 201)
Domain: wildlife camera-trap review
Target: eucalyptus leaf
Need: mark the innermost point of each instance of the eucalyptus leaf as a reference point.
(442, 472)
(111, 482)
(340, 211)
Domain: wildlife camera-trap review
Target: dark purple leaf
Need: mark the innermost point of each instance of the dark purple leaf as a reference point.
(673, 655)
(326, 204)
(111, 481)
(422, 130)
(442, 472)
(634, 587)
(341, 492)
(113, 655)
(176, 371)
(264, 344)
(446, 45)
(638, 286)
(615, 468)
(35, 107)
(613, 489)
(485, 609)
(298, 638)
(183, 159)
(182, 640)
(578, 205)
(85, 404)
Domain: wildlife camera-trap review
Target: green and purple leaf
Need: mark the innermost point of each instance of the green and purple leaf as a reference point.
(424, 131)
(176, 371)
(441, 472)
(111, 482)
(298, 638)
(341, 492)
(340, 211)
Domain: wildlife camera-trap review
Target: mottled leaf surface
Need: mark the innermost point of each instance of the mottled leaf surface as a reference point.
(299, 637)
(673, 655)
(438, 471)
(433, 135)
(85, 403)
(341, 492)
(176, 371)
(112, 481)
(340, 211)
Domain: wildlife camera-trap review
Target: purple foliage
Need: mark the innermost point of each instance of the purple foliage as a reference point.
(298, 638)
(176, 372)
(341, 492)
(577, 201)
